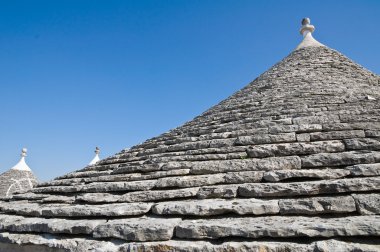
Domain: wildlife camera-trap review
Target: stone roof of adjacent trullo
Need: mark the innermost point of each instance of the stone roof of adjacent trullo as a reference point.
(289, 163)
(18, 179)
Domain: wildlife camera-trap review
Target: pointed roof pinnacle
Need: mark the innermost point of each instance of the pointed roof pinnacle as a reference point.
(306, 30)
(96, 158)
(21, 165)
(306, 27)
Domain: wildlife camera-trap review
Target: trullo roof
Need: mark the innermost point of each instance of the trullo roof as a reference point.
(289, 163)
(18, 179)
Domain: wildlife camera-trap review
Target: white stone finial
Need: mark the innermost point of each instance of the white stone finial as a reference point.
(306, 27)
(96, 158)
(23, 152)
(21, 165)
(306, 30)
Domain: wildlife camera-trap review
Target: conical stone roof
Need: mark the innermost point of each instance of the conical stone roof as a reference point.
(18, 179)
(289, 163)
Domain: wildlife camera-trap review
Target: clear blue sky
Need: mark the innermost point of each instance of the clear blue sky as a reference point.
(79, 74)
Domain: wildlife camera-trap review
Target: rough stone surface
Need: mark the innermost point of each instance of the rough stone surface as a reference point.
(288, 163)
(16, 181)
(264, 139)
(368, 203)
(317, 205)
(365, 169)
(362, 144)
(319, 136)
(210, 207)
(119, 209)
(275, 176)
(40, 225)
(220, 191)
(279, 227)
(141, 229)
(271, 150)
(276, 163)
(159, 195)
(97, 198)
(338, 159)
(190, 181)
(198, 246)
(309, 188)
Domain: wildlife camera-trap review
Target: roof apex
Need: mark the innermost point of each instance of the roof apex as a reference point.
(96, 158)
(21, 165)
(306, 31)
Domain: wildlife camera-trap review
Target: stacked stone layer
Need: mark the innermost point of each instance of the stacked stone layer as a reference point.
(289, 163)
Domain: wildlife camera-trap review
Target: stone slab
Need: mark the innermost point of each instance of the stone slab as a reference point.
(309, 188)
(368, 204)
(289, 149)
(317, 205)
(278, 226)
(209, 207)
(138, 229)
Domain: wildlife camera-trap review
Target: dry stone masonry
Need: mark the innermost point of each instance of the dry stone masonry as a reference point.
(18, 179)
(289, 163)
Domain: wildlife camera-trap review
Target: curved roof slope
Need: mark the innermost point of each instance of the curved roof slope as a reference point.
(18, 179)
(289, 163)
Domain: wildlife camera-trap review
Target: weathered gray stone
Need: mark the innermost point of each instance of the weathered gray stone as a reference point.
(362, 144)
(30, 196)
(275, 176)
(309, 128)
(138, 229)
(305, 137)
(372, 133)
(58, 199)
(97, 198)
(279, 226)
(126, 168)
(243, 177)
(314, 86)
(20, 224)
(339, 159)
(368, 116)
(310, 187)
(203, 246)
(210, 207)
(317, 205)
(368, 203)
(218, 191)
(335, 245)
(190, 181)
(83, 174)
(353, 125)
(316, 119)
(266, 138)
(62, 182)
(283, 129)
(364, 169)
(157, 195)
(120, 186)
(51, 243)
(21, 208)
(16, 181)
(109, 210)
(57, 189)
(274, 163)
(162, 174)
(331, 135)
(288, 149)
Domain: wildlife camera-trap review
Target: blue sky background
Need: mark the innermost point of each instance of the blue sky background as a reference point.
(85, 73)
